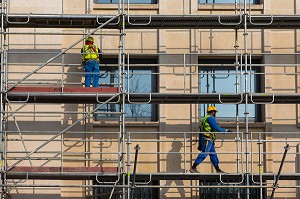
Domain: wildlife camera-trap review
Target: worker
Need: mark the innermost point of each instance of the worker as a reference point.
(91, 56)
(208, 126)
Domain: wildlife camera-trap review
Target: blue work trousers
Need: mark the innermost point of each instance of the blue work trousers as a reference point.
(208, 148)
(92, 73)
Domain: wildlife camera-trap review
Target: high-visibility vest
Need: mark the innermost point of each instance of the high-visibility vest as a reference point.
(89, 53)
(205, 127)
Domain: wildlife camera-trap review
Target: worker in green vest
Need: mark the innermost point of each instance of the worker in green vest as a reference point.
(91, 56)
(208, 127)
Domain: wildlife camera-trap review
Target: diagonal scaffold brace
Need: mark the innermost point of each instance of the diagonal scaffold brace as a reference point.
(286, 148)
(137, 148)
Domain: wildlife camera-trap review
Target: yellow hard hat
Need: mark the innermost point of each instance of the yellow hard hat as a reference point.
(211, 108)
(90, 39)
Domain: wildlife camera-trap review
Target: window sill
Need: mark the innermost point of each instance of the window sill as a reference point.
(131, 7)
(242, 124)
(227, 7)
(128, 124)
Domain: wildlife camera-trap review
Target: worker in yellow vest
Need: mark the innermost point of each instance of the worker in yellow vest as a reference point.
(208, 127)
(91, 56)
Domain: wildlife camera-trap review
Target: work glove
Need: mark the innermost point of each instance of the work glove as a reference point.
(229, 130)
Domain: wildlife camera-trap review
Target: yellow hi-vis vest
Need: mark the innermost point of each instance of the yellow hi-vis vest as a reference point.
(205, 127)
(89, 53)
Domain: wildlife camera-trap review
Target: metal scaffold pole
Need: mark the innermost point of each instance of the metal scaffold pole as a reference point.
(3, 79)
(247, 172)
(123, 93)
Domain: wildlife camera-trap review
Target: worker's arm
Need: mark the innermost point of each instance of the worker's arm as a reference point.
(214, 125)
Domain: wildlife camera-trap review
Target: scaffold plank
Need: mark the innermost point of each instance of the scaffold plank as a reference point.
(106, 176)
(155, 21)
(91, 95)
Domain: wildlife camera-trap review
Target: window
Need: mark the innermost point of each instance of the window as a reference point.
(228, 1)
(141, 79)
(126, 1)
(103, 192)
(232, 192)
(219, 79)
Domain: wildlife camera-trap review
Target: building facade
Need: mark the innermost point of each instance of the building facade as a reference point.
(164, 62)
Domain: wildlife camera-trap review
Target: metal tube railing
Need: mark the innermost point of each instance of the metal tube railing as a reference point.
(183, 142)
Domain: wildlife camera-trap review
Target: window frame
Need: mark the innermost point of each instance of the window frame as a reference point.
(106, 66)
(258, 86)
(255, 2)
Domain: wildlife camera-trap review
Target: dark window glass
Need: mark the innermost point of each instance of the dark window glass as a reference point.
(103, 192)
(140, 79)
(223, 79)
(232, 192)
(228, 1)
(126, 1)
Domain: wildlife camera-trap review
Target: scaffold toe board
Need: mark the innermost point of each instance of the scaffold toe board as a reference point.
(155, 21)
(111, 176)
(215, 176)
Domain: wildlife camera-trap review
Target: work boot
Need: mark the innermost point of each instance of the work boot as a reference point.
(194, 170)
(219, 170)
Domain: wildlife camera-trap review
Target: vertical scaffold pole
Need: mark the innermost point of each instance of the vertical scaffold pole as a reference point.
(2, 79)
(121, 72)
(246, 101)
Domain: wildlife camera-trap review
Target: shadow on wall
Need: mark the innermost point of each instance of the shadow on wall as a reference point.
(173, 161)
(73, 78)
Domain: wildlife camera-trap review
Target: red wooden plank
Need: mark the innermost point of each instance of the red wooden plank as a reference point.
(65, 169)
(36, 89)
(90, 90)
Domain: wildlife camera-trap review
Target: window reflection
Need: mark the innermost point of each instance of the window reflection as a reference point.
(137, 80)
(219, 79)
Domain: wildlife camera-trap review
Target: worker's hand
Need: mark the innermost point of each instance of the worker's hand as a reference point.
(229, 130)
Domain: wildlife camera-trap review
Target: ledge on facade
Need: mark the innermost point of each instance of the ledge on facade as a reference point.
(128, 124)
(228, 7)
(131, 7)
(242, 124)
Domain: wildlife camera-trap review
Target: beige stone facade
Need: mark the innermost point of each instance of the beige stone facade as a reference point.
(169, 142)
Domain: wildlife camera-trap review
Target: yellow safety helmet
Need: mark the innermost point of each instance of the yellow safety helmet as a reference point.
(211, 108)
(90, 39)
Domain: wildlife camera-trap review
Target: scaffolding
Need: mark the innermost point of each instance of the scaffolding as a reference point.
(107, 171)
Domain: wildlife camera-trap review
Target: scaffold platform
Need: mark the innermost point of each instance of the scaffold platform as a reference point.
(101, 94)
(154, 21)
(111, 174)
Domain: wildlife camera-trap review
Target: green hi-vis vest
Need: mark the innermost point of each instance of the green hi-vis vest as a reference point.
(205, 127)
(88, 53)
